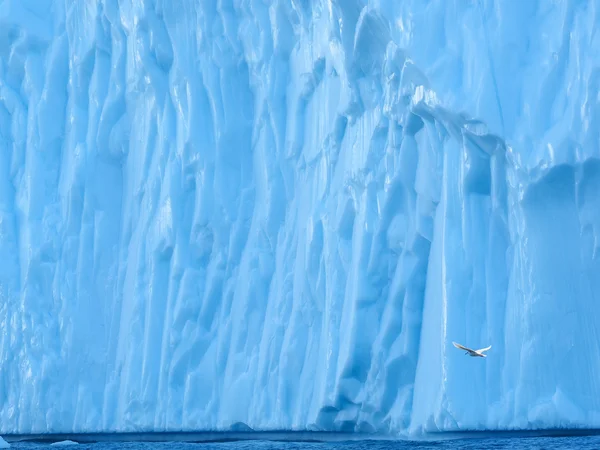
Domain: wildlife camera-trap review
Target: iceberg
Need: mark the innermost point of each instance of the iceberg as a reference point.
(63, 443)
(279, 215)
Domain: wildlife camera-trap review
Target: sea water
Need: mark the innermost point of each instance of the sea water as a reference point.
(579, 442)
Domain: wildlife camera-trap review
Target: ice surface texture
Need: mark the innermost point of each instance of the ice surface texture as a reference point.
(281, 214)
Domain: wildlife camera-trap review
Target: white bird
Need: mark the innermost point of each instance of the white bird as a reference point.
(473, 352)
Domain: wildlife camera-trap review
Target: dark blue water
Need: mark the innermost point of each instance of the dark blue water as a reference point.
(580, 442)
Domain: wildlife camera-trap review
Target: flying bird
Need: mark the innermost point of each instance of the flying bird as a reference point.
(472, 352)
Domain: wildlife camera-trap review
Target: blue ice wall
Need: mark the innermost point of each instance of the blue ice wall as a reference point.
(282, 214)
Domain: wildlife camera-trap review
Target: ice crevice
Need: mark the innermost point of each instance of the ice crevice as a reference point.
(233, 214)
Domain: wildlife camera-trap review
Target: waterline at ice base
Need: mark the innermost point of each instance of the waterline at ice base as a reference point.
(280, 215)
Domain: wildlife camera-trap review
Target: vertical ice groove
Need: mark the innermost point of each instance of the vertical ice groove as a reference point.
(279, 215)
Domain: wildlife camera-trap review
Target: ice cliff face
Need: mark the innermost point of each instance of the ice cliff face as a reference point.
(283, 213)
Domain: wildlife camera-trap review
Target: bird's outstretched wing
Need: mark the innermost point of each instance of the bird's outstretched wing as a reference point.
(483, 349)
(462, 347)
